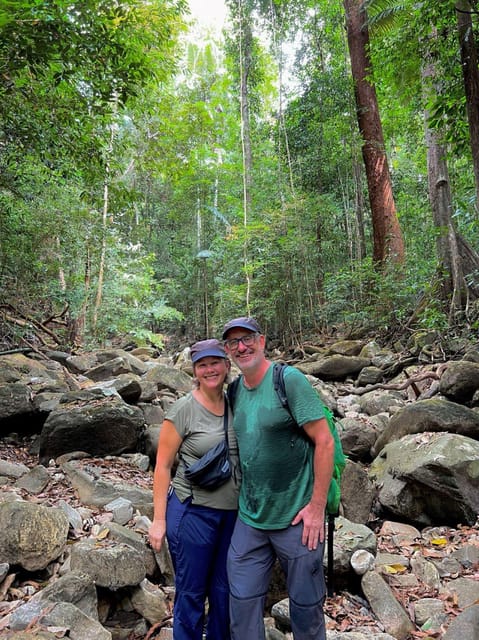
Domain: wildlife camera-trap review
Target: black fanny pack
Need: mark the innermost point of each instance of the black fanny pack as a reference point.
(213, 469)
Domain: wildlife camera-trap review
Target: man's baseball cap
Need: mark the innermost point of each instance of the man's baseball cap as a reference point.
(242, 323)
(205, 348)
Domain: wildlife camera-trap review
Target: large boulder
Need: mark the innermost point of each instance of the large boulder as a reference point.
(31, 535)
(429, 415)
(107, 426)
(335, 367)
(460, 380)
(432, 478)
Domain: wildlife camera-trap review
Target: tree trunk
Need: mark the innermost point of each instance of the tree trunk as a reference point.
(388, 243)
(453, 285)
(245, 39)
(76, 325)
(470, 73)
(456, 258)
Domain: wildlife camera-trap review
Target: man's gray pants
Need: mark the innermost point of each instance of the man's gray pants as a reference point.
(250, 562)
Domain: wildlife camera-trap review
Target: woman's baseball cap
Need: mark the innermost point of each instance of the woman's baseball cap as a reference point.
(242, 323)
(205, 348)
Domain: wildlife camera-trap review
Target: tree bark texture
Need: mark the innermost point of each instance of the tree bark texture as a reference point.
(388, 243)
(470, 73)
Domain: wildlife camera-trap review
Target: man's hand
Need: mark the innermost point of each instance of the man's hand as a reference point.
(312, 517)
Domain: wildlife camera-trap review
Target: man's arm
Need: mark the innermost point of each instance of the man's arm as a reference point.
(313, 513)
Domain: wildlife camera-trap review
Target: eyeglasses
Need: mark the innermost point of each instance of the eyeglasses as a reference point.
(233, 343)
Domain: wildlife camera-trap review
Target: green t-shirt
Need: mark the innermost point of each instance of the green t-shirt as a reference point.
(276, 455)
(201, 430)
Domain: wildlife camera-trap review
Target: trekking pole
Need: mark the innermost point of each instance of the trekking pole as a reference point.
(330, 554)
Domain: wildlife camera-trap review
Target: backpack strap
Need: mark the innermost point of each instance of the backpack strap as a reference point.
(232, 390)
(279, 386)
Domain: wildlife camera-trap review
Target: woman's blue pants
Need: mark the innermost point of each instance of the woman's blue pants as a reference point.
(198, 539)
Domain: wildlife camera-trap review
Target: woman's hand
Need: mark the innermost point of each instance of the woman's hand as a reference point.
(157, 534)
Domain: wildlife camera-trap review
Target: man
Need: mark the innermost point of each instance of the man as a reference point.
(286, 471)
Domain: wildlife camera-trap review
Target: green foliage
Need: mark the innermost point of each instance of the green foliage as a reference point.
(91, 102)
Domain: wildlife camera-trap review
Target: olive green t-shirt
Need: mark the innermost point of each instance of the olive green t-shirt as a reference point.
(276, 455)
(201, 430)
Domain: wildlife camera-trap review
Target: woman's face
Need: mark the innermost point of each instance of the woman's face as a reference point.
(211, 371)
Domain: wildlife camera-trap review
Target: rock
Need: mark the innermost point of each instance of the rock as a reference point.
(167, 377)
(119, 533)
(358, 436)
(12, 469)
(347, 347)
(369, 375)
(109, 565)
(357, 493)
(466, 590)
(430, 415)
(103, 427)
(466, 625)
(74, 518)
(460, 380)
(96, 492)
(79, 625)
(128, 386)
(31, 535)
(425, 571)
(429, 614)
(149, 601)
(122, 510)
(385, 606)
(16, 406)
(348, 538)
(35, 481)
(380, 401)
(362, 561)
(443, 462)
(335, 367)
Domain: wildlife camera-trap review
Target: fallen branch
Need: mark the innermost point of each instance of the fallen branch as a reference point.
(395, 386)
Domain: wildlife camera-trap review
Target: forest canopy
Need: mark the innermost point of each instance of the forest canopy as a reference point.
(316, 164)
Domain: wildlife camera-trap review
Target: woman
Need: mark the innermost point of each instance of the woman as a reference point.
(197, 522)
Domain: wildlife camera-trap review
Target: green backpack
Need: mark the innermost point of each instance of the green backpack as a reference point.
(334, 492)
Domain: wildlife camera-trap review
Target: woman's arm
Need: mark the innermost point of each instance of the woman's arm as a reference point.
(168, 444)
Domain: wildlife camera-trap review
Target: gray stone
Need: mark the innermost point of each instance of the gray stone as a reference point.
(357, 493)
(79, 625)
(35, 481)
(74, 518)
(385, 606)
(12, 469)
(335, 367)
(121, 508)
(465, 626)
(465, 589)
(167, 377)
(460, 380)
(108, 426)
(149, 601)
(434, 415)
(447, 464)
(348, 538)
(31, 535)
(96, 492)
(109, 565)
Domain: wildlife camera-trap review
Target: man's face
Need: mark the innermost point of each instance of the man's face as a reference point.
(245, 356)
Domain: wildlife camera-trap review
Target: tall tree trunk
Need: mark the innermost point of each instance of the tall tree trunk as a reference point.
(360, 242)
(453, 284)
(245, 39)
(388, 245)
(455, 256)
(76, 325)
(470, 73)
